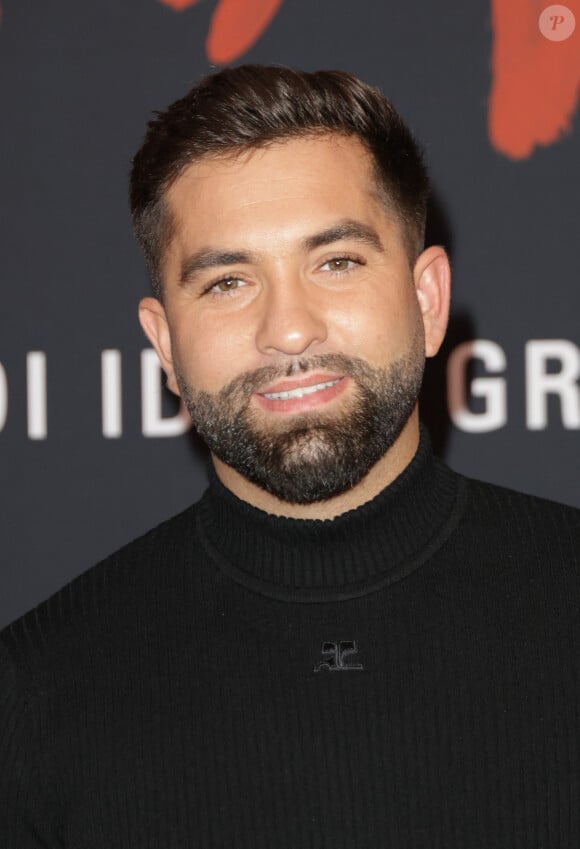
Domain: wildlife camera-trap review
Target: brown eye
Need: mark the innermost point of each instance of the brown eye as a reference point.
(227, 284)
(339, 264)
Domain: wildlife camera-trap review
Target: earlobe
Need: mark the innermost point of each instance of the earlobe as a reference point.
(154, 323)
(432, 275)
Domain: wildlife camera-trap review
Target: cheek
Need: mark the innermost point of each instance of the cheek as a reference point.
(209, 355)
(378, 328)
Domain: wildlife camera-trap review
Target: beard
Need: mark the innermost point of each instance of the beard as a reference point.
(309, 457)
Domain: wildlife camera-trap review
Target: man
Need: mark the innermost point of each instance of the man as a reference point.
(344, 643)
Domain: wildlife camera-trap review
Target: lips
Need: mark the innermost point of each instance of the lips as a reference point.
(312, 382)
(300, 391)
(295, 396)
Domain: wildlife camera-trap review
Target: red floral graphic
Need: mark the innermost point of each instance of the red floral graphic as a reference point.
(235, 26)
(535, 86)
(536, 82)
(180, 5)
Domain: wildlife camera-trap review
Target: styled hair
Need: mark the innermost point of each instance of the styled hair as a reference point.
(252, 106)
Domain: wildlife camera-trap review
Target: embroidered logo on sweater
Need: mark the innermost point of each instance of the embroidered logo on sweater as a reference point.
(334, 656)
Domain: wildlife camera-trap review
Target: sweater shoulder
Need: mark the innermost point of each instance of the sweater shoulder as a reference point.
(505, 499)
(538, 524)
(106, 597)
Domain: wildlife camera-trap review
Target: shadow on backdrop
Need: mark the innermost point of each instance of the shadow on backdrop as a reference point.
(461, 328)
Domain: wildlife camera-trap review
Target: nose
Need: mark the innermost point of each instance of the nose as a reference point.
(291, 320)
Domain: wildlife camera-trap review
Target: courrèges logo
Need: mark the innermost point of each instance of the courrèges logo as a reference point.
(334, 657)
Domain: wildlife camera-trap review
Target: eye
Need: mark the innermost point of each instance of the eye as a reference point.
(341, 264)
(223, 286)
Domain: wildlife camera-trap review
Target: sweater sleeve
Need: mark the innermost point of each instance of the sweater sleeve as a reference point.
(27, 816)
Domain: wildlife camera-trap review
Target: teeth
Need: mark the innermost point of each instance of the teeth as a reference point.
(299, 393)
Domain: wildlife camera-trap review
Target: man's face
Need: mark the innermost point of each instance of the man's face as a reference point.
(293, 326)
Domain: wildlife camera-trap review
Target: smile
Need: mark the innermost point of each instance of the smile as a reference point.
(300, 391)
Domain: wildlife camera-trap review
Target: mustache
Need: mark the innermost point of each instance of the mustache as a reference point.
(246, 384)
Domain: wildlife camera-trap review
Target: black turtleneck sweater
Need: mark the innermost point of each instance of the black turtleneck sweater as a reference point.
(405, 676)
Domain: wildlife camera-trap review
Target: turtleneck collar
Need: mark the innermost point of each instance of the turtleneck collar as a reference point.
(353, 554)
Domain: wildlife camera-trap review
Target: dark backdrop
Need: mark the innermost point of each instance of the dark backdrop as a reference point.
(496, 109)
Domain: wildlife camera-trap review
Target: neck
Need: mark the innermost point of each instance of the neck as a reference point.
(381, 475)
(313, 560)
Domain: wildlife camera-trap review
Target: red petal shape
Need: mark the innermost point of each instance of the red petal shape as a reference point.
(236, 25)
(180, 5)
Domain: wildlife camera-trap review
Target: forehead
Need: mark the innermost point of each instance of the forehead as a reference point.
(303, 177)
(303, 154)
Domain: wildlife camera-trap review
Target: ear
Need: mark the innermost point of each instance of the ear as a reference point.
(154, 323)
(432, 276)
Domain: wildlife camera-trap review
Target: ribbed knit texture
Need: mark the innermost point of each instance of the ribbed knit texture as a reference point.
(188, 691)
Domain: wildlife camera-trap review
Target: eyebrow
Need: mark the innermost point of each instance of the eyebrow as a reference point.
(346, 229)
(211, 258)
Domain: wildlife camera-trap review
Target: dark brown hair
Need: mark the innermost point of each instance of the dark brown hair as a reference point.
(252, 105)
